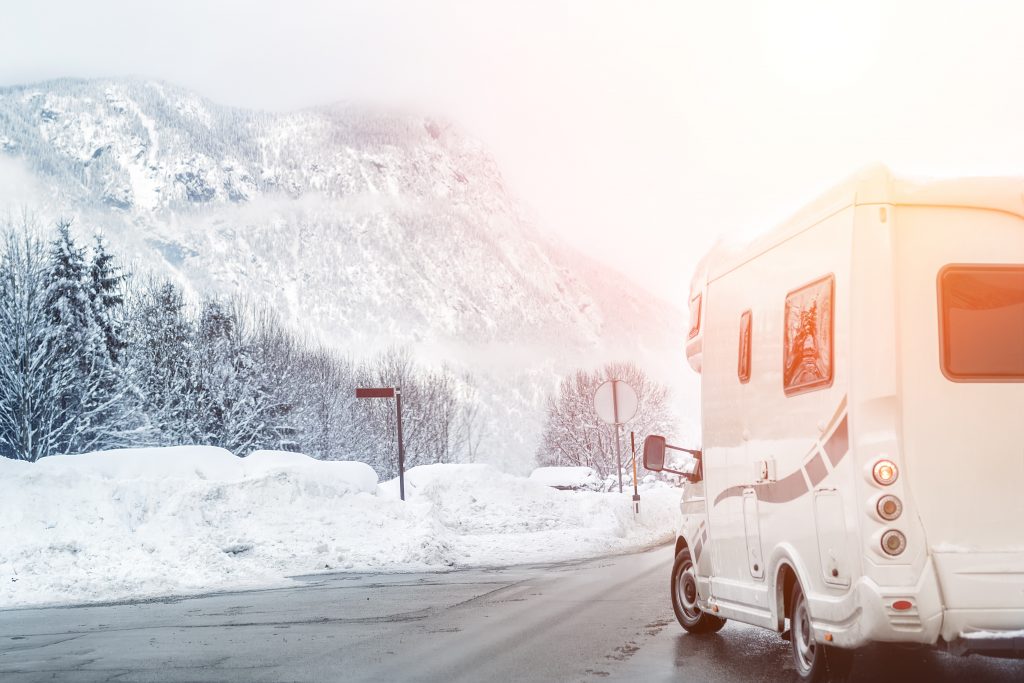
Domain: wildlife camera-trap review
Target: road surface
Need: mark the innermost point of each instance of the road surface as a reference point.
(598, 620)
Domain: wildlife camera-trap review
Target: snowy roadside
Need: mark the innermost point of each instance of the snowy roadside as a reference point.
(175, 521)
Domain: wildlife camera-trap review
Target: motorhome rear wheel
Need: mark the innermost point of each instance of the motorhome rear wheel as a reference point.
(814, 661)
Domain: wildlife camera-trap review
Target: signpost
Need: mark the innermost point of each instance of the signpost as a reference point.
(636, 489)
(395, 393)
(616, 403)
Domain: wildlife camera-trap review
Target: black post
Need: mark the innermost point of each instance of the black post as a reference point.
(401, 446)
(636, 491)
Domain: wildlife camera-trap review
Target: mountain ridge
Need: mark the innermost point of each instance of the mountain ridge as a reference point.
(361, 229)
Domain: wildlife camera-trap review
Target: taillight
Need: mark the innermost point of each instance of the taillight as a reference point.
(885, 472)
(893, 542)
(889, 508)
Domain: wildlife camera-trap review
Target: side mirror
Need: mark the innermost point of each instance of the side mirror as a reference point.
(654, 459)
(654, 453)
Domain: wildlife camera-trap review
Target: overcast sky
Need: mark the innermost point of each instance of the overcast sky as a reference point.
(637, 130)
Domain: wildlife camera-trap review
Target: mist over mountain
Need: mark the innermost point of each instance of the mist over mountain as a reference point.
(362, 229)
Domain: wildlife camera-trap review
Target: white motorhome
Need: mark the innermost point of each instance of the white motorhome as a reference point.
(862, 393)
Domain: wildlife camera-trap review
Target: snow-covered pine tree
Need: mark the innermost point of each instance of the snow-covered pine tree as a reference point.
(74, 345)
(238, 404)
(160, 362)
(106, 293)
(114, 422)
(33, 423)
(276, 355)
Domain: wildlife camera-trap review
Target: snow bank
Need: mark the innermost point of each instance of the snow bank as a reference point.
(492, 518)
(567, 477)
(992, 635)
(150, 522)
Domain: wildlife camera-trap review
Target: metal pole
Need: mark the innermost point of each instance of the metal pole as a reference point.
(618, 454)
(636, 491)
(618, 446)
(401, 446)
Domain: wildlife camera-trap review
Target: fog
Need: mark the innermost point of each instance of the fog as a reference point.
(638, 131)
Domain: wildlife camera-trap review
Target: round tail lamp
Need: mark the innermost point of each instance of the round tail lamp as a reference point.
(885, 472)
(889, 508)
(893, 542)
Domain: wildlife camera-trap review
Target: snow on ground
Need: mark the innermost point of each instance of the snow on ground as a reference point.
(992, 635)
(567, 477)
(149, 522)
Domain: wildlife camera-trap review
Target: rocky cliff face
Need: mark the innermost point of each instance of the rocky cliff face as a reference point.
(361, 229)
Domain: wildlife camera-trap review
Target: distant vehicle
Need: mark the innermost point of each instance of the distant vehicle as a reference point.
(862, 473)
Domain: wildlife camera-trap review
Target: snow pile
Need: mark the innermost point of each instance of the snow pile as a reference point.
(149, 522)
(992, 635)
(493, 518)
(567, 478)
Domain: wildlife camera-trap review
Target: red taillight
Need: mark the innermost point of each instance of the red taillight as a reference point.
(902, 605)
(885, 472)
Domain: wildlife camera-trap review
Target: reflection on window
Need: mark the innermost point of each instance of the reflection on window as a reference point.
(744, 362)
(694, 316)
(981, 315)
(807, 357)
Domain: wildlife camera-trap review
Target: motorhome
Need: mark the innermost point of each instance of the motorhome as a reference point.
(862, 395)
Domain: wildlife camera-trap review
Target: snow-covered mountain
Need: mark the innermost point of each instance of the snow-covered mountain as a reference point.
(362, 229)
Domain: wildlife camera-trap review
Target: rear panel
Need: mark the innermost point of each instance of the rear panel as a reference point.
(963, 417)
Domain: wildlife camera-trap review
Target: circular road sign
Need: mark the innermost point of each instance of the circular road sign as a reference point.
(615, 402)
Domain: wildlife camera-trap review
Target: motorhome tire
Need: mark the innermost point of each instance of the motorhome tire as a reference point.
(814, 662)
(684, 598)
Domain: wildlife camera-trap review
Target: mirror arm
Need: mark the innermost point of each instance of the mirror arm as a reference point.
(695, 453)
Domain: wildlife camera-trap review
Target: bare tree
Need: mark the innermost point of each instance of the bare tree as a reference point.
(573, 433)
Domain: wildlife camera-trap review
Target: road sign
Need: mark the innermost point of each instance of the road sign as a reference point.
(384, 392)
(390, 392)
(615, 402)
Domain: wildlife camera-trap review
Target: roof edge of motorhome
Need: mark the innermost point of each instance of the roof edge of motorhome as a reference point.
(874, 184)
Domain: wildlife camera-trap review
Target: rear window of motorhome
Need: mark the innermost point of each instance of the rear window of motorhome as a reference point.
(743, 368)
(981, 321)
(807, 349)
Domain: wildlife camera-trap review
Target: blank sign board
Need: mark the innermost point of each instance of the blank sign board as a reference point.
(615, 402)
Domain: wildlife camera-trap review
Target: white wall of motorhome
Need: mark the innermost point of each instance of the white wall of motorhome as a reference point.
(749, 423)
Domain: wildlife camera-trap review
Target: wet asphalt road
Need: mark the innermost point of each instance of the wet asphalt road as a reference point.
(599, 620)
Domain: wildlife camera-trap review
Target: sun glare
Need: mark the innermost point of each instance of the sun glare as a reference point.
(818, 45)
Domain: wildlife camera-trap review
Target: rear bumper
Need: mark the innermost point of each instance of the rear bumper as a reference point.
(866, 614)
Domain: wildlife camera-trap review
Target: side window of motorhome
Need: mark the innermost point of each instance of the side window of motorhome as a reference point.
(743, 368)
(807, 346)
(694, 316)
(981, 320)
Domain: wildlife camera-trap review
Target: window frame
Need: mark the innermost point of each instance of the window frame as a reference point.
(941, 316)
(827, 382)
(746, 330)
